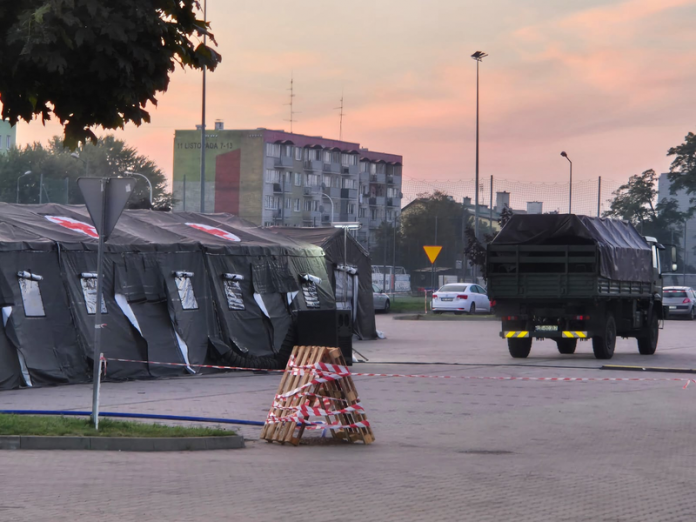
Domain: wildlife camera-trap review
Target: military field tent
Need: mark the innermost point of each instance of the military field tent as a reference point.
(358, 272)
(178, 288)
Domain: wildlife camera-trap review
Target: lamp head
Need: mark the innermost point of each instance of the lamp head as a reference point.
(27, 172)
(564, 154)
(75, 155)
(479, 55)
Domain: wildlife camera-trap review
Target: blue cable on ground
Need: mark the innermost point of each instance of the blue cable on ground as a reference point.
(134, 416)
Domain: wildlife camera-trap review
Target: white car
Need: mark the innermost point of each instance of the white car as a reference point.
(460, 298)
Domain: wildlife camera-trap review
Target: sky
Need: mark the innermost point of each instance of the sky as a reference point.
(610, 82)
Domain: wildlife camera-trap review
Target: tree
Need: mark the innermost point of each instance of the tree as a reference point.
(60, 169)
(505, 216)
(94, 62)
(634, 202)
(682, 171)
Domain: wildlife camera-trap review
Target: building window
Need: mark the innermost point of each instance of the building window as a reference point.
(373, 168)
(327, 156)
(298, 153)
(349, 159)
(312, 154)
(336, 182)
(233, 291)
(374, 213)
(350, 183)
(185, 288)
(272, 202)
(296, 205)
(273, 150)
(308, 206)
(362, 212)
(272, 176)
(288, 202)
(298, 179)
(313, 180)
(351, 208)
(88, 280)
(287, 150)
(268, 224)
(392, 192)
(390, 215)
(31, 293)
(315, 206)
(326, 181)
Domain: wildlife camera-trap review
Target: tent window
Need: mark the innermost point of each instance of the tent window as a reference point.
(185, 288)
(233, 291)
(88, 280)
(31, 294)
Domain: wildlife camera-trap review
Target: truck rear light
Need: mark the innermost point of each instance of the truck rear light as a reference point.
(686, 300)
(510, 318)
(463, 296)
(582, 317)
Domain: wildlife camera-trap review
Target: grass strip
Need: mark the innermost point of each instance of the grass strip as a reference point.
(67, 426)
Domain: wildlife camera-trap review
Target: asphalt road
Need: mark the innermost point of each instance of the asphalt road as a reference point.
(464, 448)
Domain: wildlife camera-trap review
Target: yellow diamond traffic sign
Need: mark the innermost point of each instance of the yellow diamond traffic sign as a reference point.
(432, 252)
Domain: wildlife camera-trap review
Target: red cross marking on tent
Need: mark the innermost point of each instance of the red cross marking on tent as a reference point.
(73, 224)
(214, 231)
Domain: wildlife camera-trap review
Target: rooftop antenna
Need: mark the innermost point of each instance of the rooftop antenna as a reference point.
(291, 104)
(340, 125)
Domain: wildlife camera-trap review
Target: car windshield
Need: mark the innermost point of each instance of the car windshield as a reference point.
(375, 289)
(453, 288)
(675, 293)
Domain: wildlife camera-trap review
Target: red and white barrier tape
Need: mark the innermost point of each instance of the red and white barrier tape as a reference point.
(344, 371)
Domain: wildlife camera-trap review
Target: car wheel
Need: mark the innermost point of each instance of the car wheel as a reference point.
(472, 309)
(693, 313)
(520, 348)
(603, 346)
(387, 306)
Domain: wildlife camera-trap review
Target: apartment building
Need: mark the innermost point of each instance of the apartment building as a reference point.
(277, 178)
(8, 136)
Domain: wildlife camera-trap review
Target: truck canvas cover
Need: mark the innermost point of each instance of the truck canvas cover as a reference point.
(623, 252)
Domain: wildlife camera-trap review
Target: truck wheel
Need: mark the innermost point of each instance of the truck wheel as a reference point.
(520, 348)
(647, 343)
(603, 346)
(566, 346)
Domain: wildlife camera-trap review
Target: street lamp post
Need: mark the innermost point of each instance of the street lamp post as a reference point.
(26, 173)
(129, 173)
(205, 20)
(478, 56)
(345, 225)
(570, 190)
(76, 155)
(332, 206)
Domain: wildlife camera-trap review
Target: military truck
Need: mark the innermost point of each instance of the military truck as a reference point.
(568, 277)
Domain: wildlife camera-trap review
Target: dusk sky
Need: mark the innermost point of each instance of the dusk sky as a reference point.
(610, 82)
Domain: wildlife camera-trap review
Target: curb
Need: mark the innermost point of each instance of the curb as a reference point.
(434, 317)
(15, 442)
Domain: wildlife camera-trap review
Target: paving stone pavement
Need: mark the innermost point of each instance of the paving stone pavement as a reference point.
(446, 449)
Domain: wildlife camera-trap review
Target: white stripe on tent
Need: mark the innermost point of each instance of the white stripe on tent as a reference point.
(6, 313)
(259, 301)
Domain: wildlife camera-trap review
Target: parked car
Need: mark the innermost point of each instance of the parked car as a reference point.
(380, 300)
(460, 298)
(679, 301)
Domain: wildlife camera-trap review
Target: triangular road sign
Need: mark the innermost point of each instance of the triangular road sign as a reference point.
(432, 252)
(112, 193)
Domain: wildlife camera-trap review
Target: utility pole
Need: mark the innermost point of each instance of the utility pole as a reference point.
(340, 124)
(292, 101)
(478, 56)
(205, 20)
(599, 195)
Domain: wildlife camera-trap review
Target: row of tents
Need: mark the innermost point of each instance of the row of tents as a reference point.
(184, 288)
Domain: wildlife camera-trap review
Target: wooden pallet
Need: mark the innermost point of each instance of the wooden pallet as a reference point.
(282, 425)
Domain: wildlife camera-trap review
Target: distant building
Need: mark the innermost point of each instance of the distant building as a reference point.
(277, 178)
(8, 136)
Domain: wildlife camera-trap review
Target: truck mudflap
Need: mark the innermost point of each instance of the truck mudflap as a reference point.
(544, 334)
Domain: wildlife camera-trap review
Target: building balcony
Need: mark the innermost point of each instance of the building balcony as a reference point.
(378, 178)
(394, 202)
(277, 213)
(313, 165)
(332, 192)
(394, 180)
(364, 177)
(333, 168)
(326, 219)
(311, 191)
(347, 217)
(377, 201)
(351, 170)
(364, 222)
(280, 188)
(311, 215)
(349, 194)
(375, 223)
(284, 162)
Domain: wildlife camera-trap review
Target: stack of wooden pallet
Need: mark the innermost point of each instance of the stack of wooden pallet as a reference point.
(316, 383)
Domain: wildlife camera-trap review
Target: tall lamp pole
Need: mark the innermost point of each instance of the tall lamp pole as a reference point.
(332, 206)
(478, 56)
(26, 173)
(570, 190)
(205, 19)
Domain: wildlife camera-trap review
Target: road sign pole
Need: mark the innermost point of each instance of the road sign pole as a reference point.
(96, 369)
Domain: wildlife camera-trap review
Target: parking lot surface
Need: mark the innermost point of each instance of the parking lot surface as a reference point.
(446, 449)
